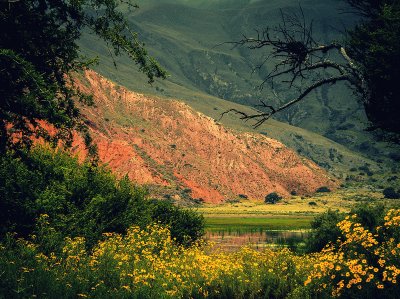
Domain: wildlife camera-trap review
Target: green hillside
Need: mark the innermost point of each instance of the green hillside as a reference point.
(186, 37)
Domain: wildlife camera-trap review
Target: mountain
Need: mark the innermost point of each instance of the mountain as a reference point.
(186, 37)
(168, 146)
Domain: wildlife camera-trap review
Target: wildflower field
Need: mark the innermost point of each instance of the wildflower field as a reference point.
(148, 263)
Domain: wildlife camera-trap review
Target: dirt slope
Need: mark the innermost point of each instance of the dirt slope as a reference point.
(164, 142)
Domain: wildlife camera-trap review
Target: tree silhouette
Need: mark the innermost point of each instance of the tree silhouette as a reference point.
(39, 56)
(368, 61)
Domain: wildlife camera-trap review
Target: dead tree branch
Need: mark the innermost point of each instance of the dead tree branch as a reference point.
(299, 60)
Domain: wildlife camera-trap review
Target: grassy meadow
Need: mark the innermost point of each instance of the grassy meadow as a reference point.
(290, 214)
(252, 223)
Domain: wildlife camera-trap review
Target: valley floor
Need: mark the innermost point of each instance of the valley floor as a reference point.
(244, 222)
(290, 214)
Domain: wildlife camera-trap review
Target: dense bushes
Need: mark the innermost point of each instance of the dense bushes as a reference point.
(369, 216)
(90, 235)
(80, 200)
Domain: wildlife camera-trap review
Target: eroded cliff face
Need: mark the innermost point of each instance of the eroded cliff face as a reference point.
(164, 142)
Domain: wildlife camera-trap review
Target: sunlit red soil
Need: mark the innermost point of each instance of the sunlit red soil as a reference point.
(157, 141)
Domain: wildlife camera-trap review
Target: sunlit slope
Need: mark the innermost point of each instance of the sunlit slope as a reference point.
(183, 36)
(325, 152)
(166, 143)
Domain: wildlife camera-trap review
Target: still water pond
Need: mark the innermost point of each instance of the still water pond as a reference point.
(230, 240)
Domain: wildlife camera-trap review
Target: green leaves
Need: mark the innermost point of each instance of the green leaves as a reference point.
(80, 199)
(39, 57)
(375, 45)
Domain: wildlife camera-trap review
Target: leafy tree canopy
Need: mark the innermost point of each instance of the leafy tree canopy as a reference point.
(375, 45)
(39, 54)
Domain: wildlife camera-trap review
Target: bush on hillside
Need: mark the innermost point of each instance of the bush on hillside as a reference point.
(323, 189)
(391, 193)
(272, 198)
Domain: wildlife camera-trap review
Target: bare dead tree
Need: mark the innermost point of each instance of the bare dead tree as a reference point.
(299, 57)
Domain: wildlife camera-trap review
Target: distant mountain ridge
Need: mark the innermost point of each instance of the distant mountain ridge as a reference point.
(166, 143)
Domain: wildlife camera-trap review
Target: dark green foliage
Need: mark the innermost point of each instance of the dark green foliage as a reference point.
(323, 189)
(39, 54)
(312, 203)
(81, 200)
(272, 198)
(186, 226)
(375, 45)
(370, 216)
(390, 193)
(324, 230)
(366, 170)
(395, 156)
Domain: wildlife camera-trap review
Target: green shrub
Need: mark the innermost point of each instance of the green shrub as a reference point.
(324, 230)
(370, 216)
(186, 226)
(272, 198)
(323, 189)
(391, 193)
(312, 203)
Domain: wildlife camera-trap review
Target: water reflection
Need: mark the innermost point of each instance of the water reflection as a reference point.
(230, 240)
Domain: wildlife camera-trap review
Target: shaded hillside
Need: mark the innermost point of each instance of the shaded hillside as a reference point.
(164, 142)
